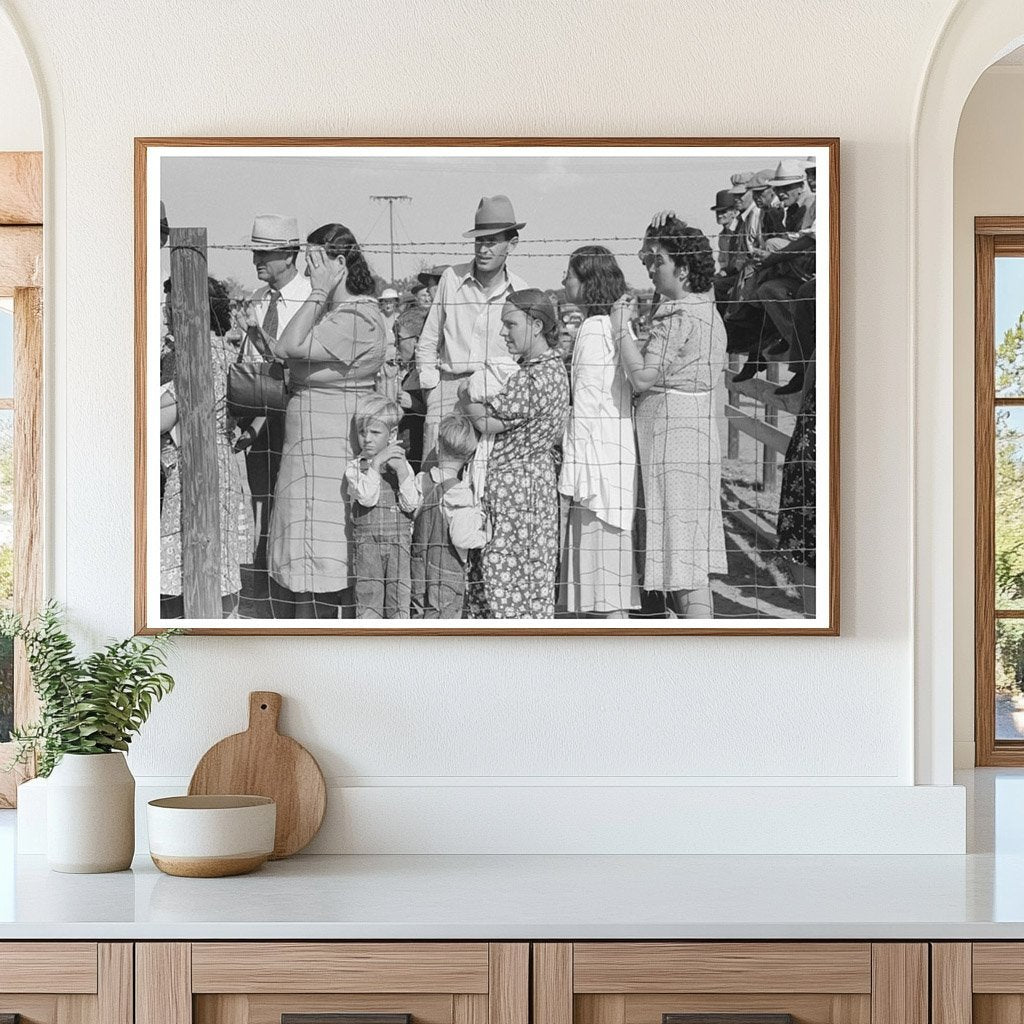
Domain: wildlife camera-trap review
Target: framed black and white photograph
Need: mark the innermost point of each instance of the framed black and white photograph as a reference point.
(453, 386)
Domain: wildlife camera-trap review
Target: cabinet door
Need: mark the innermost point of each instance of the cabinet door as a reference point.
(981, 982)
(730, 983)
(66, 982)
(332, 983)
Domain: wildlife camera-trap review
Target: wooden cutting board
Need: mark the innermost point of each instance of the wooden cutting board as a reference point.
(262, 762)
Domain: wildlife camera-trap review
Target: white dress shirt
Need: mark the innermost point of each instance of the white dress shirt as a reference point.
(462, 332)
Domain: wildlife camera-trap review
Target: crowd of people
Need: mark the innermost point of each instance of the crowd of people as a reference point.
(479, 448)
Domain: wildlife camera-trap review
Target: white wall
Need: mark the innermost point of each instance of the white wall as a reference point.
(21, 127)
(428, 716)
(988, 181)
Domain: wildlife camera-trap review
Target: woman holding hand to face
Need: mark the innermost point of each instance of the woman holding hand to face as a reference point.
(673, 375)
(333, 347)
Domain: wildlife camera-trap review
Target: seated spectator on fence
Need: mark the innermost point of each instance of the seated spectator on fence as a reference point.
(749, 327)
(380, 484)
(449, 524)
(235, 542)
(333, 348)
(749, 212)
(732, 247)
(673, 375)
(599, 472)
(810, 197)
(789, 270)
(519, 562)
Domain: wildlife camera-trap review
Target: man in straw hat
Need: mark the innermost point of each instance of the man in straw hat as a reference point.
(275, 253)
(462, 332)
(387, 377)
(787, 277)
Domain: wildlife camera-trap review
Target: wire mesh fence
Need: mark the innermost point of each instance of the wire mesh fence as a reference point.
(479, 449)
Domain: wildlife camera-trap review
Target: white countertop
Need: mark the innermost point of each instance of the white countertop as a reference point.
(977, 896)
(516, 897)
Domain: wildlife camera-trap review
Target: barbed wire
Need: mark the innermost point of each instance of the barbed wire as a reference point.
(417, 248)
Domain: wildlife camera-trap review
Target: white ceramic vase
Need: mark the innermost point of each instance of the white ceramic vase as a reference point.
(90, 814)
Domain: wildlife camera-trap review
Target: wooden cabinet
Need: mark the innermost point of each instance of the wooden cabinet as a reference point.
(977, 983)
(498, 983)
(654, 982)
(66, 982)
(307, 982)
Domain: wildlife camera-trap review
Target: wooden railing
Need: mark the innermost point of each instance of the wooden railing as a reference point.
(762, 426)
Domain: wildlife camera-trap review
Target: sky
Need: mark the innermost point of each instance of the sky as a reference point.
(605, 199)
(1009, 293)
(6, 354)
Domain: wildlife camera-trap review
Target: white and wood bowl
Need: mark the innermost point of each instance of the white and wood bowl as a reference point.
(211, 836)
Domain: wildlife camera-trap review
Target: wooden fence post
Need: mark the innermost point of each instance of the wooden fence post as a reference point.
(197, 425)
(732, 450)
(769, 458)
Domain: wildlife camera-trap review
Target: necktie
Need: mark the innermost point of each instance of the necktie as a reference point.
(270, 318)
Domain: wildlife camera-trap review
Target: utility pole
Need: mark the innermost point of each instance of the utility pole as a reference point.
(391, 200)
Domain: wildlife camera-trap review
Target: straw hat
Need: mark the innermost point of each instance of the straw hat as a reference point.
(270, 231)
(789, 172)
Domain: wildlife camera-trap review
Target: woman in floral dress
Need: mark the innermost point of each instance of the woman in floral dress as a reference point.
(520, 499)
(797, 502)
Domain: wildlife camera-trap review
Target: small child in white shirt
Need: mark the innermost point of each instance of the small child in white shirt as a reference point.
(384, 496)
(449, 524)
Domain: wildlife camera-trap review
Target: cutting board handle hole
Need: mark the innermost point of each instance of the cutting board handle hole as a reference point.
(263, 707)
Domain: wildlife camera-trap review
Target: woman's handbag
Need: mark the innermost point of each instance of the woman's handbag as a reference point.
(255, 389)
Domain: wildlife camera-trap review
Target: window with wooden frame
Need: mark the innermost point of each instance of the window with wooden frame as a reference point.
(21, 364)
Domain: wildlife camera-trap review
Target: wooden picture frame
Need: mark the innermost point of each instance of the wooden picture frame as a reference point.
(761, 429)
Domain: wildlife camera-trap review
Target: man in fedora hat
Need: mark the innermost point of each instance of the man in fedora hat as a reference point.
(732, 245)
(750, 212)
(462, 332)
(275, 253)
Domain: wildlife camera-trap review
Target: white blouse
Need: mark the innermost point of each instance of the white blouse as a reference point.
(599, 471)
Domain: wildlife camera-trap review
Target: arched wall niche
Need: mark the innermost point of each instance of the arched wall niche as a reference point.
(976, 34)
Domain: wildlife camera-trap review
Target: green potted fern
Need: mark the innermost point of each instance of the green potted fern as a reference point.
(89, 709)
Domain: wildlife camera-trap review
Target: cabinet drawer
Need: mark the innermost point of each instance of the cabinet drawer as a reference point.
(66, 982)
(340, 967)
(65, 967)
(332, 983)
(635, 967)
(730, 983)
